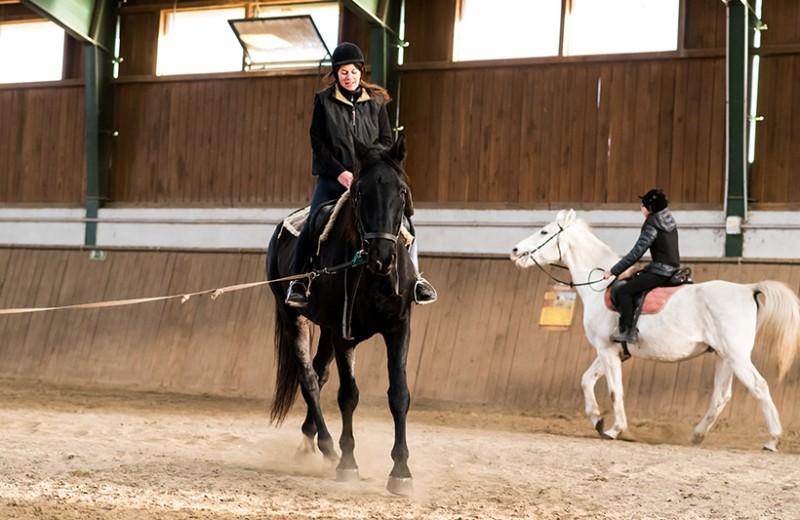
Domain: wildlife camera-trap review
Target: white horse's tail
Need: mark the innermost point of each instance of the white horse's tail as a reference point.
(778, 321)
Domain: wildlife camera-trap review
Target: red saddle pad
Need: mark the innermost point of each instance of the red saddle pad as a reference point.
(653, 303)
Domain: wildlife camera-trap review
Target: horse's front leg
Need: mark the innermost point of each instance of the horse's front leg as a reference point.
(613, 371)
(397, 353)
(588, 382)
(348, 400)
(321, 364)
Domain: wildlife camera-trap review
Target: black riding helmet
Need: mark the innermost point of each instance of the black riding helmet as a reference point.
(346, 53)
(654, 200)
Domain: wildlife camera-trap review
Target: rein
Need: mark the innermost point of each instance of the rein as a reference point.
(570, 284)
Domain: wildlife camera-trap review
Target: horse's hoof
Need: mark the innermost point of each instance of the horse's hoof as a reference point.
(698, 438)
(306, 445)
(400, 486)
(347, 475)
(771, 445)
(598, 426)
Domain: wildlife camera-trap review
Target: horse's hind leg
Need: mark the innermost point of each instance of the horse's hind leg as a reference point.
(750, 377)
(613, 372)
(310, 387)
(348, 400)
(588, 382)
(723, 383)
(321, 364)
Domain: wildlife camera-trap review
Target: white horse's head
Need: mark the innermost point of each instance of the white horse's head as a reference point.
(543, 246)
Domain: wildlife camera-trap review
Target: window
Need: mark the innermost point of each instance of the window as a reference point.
(618, 26)
(497, 29)
(324, 14)
(198, 41)
(31, 51)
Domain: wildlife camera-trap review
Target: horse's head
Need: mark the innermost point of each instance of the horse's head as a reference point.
(544, 246)
(380, 198)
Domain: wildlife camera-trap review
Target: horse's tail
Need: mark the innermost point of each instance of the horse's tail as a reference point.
(286, 380)
(778, 321)
(288, 370)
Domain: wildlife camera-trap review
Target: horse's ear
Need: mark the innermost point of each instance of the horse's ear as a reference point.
(561, 217)
(570, 217)
(398, 149)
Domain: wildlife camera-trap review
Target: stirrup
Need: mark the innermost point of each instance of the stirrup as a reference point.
(425, 285)
(297, 295)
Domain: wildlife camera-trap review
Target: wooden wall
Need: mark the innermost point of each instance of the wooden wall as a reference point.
(42, 144)
(41, 131)
(479, 344)
(232, 142)
(525, 133)
(565, 133)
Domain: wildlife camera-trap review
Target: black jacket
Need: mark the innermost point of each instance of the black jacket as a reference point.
(660, 235)
(338, 124)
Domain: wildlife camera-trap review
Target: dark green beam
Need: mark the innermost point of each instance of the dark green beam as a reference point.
(736, 135)
(98, 69)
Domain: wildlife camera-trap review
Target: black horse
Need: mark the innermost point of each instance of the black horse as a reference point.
(373, 297)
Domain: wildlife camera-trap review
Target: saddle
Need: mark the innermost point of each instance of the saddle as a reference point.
(652, 301)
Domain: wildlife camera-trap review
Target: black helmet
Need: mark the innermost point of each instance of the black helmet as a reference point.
(346, 53)
(654, 200)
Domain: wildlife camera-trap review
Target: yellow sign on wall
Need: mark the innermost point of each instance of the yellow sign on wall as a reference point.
(558, 308)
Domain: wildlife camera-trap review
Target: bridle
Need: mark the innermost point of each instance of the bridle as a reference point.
(366, 236)
(558, 245)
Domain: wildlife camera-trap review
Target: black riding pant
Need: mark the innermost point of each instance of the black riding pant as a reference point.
(324, 190)
(625, 294)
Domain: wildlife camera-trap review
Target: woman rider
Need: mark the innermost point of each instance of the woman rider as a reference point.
(660, 235)
(349, 109)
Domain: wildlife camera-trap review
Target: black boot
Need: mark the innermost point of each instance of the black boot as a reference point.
(297, 295)
(424, 292)
(625, 335)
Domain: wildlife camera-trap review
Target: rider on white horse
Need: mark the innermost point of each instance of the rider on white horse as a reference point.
(660, 235)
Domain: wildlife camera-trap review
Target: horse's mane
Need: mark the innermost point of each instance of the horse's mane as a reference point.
(587, 229)
(380, 155)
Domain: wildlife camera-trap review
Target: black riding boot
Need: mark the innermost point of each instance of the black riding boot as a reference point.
(297, 294)
(626, 333)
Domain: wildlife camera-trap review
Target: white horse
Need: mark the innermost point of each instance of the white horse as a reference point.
(718, 315)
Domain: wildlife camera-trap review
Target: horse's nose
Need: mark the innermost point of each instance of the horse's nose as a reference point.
(515, 250)
(378, 265)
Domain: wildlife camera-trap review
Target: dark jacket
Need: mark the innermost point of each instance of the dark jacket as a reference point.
(660, 235)
(338, 125)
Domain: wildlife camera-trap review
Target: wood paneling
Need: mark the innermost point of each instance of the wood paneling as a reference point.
(138, 43)
(429, 30)
(14, 12)
(224, 142)
(705, 24)
(479, 344)
(355, 29)
(566, 133)
(783, 19)
(774, 174)
(42, 145)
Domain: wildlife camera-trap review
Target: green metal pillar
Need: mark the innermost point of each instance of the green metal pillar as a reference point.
(98, 69)
(736, 123)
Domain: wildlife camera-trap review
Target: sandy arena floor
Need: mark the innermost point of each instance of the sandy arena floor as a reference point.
(68, 454)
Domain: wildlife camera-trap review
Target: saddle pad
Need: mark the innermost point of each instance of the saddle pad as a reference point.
(653, 302)
(295, 221)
